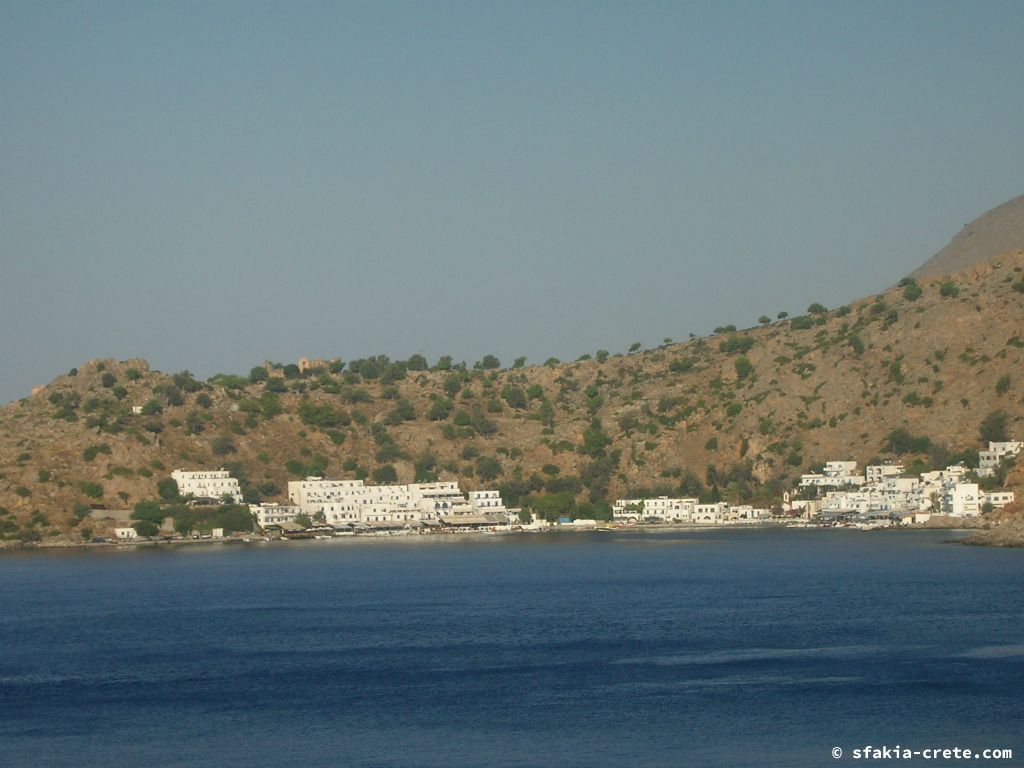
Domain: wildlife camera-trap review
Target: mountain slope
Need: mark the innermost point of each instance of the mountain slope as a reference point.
(993, 233)
(740, 414)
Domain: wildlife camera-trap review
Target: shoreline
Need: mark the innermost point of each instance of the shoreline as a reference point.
(981, 537)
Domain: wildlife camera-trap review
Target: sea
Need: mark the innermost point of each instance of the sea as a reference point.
(685, 648)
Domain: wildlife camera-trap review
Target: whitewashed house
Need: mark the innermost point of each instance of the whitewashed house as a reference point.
(879, 472)
(351, 503)
(835, 474)
(314, 491)
(486, 501)
(990, 459)
(704, 514)
(666, 508)
(275, 514)
(998, 499)
(963, 500)
(439, 499)
(208, 484)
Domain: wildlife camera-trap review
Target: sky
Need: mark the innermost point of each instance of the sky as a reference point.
(209, 185)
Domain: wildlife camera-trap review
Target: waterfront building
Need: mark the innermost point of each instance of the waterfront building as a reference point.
(710, 513)
(275, 514)
(670, 510)
(349, 503)
(486, 502)
(998, 499)
(963, 500)
(313, 491)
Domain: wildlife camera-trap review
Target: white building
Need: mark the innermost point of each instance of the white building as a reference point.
(126, 534)
(835, 474)
(963, 500)
(879, 472)
(990, 459)
(710, 513)
(998, 499)
(486, 502)
(745, 513)
(207, 484)
(313, 491)
(350, 502)
(663, 507)
(441, 498)
(275, 514)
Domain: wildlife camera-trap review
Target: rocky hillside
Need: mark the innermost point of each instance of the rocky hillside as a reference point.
(913, 373)
(993, 233)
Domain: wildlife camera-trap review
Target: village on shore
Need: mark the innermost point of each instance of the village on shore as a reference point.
(838, 496)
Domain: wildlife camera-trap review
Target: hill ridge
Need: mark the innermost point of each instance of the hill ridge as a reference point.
(997, 231)
(740, 413)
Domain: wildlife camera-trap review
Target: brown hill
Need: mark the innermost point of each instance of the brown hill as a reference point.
(991, 234)
(740, 413)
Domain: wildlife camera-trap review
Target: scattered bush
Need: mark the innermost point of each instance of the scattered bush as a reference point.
(92, 490)
(92, 451)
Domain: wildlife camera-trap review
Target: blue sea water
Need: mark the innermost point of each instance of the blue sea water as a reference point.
(712, 648)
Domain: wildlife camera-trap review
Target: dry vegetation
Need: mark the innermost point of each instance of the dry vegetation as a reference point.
(739, 414)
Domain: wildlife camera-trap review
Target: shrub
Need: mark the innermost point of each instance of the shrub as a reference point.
(488, 363)
(167, 489)
(275, 384)
(993, 427)
(743, 368)
(515, 397)
(487, 468)
(223, 445)
(900, 441)
(92, 451)
(92, 490)
(148, 510)
(146, 528)
(152, 408)
(403, 411)
(323, 415)
(1003, 385)
(802, 323)
(949, 290)
(736, 345)
(385, 474)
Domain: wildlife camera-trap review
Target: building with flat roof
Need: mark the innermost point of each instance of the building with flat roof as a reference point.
(208, 484)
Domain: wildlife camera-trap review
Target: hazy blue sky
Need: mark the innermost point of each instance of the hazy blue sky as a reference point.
(212, 184)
